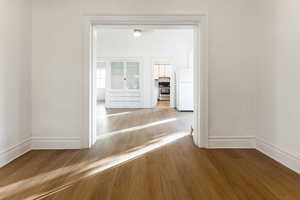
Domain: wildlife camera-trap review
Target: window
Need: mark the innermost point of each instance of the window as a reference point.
(100, 74)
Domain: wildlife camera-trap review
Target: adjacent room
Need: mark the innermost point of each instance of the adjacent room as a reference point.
(143, 73)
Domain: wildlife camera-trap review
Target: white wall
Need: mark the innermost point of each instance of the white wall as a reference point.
(15, 56)
(57, 51)
(153, 45)
(279, 75)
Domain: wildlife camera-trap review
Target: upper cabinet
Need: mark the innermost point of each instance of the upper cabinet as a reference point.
(133, 75)
(117, 75)
(124, 75)
(161, 70)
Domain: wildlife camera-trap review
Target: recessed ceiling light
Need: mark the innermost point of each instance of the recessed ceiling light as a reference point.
(137, 32)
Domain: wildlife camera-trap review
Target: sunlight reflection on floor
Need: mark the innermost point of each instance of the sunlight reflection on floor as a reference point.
(88, 168)
(136, 128)
(114, 115)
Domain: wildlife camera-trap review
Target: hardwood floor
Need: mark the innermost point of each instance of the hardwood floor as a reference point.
(149, 157)
(163, 104)
(110, 121)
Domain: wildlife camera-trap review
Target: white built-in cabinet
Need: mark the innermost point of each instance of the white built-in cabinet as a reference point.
(123, 84)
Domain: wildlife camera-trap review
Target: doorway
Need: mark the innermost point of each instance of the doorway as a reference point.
(195, 24)
(163, 84)
(130, 63)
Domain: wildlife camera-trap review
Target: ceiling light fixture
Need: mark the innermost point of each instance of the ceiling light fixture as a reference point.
(137, 32)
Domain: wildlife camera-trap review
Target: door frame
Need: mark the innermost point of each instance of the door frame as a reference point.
(200, 27)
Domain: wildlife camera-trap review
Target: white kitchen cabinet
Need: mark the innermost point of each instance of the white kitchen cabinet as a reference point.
(123, 84)
(162, 70)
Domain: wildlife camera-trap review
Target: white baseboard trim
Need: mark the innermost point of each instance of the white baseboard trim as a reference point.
(55, 143)
(243, 142)
(288, 159)
(14, 152)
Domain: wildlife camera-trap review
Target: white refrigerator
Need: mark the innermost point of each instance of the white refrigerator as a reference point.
(184, 90)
